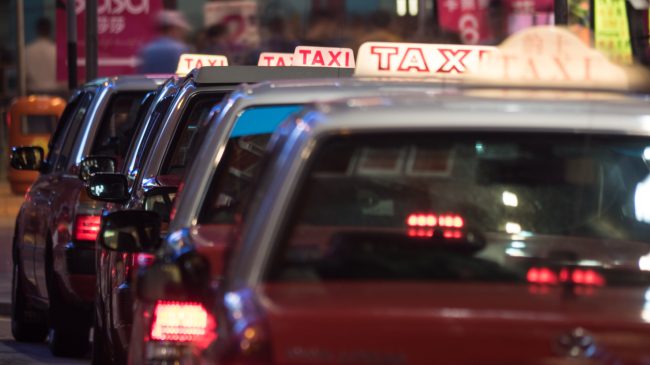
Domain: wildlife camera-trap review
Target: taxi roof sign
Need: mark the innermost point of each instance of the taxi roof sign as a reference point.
(274, 59)
(418, 60)
(189, 61)
(323, 57)
(552, 56)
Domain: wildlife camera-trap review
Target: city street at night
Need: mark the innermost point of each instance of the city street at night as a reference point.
(325, 182)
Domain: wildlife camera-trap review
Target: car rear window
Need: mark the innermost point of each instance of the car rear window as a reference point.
(38, 124)
(466, 207)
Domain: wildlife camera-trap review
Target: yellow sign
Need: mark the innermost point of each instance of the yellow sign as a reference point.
(612, 31)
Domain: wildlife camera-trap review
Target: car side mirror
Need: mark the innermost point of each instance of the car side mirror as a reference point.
(160, 200)
(130, 231)
(108, 187)
(27, 158)
(96, 164)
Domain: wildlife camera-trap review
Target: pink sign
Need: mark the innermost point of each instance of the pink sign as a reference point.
(472, 20)
(468, 18)
(123, 27)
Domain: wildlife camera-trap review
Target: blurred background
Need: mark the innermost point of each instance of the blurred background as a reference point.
(241, 29)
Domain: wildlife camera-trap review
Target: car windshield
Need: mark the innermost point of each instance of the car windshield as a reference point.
(468, 207)
(233, 179)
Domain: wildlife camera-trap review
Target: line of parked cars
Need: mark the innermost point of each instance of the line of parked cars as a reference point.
(424, 207)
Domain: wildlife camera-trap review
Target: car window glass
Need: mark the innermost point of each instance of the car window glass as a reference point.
(76, 124)
(198, 109)
(234, 177)
(140, 126)
(57, 138)
(118, 125)
(141, 152)
(466, 207)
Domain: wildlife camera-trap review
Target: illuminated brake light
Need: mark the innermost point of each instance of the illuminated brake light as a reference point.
(587, 277)
(87, 227)
(433, 220)
(544, 275)
(179, 322)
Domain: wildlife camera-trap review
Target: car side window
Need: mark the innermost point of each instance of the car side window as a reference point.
(70, 137)
(118, 125)
(61, 130)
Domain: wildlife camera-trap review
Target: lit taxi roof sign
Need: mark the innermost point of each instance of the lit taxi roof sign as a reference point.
(551, 56)
(189, 61)
(323, 57)
(383, 59)
(273, 59)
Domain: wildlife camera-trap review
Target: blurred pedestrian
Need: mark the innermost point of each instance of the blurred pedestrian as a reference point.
(216, 40)
(161, 55)
(380, 29)
(40, 60)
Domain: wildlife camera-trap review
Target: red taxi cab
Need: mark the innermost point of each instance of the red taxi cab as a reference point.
(408, 229)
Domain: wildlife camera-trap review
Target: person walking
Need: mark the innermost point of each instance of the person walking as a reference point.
(161, 55)
(40, 60)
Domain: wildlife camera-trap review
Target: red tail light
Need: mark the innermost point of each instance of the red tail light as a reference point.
(541, 275)
(435, 220)
(87, 227)
(544, 275)
(179, 322)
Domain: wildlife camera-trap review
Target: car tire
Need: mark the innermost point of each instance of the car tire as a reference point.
(69, 325)
(69, 330)
(23, 328)
(100, 355)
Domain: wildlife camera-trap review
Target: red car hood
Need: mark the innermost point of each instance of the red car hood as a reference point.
(426, 323)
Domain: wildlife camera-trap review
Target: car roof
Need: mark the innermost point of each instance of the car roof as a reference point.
(251, 74)
(487, 108)
(128, 82)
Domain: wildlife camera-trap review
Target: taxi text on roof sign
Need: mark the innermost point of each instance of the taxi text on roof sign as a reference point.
(189, 62)
(551, 56)
(380, 59)
(323, 57)
(272, 59)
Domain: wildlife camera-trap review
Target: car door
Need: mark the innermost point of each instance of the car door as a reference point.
(50, 188)
(31, 224)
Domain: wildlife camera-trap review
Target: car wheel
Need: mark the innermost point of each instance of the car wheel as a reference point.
(69, 341)
(27, 325)
(101, 355)
(69, 330)
(69, 325)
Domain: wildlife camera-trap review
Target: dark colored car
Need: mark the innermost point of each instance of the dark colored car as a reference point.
(54, 240)
(166, 144)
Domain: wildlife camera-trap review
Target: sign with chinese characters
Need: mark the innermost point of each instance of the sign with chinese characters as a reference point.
(240, 17)
(190, 61)
(273, 59)
(323, 57)
(467, 18)
(550, 56)
(123, 27)
(612, 31)
(378, 59)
